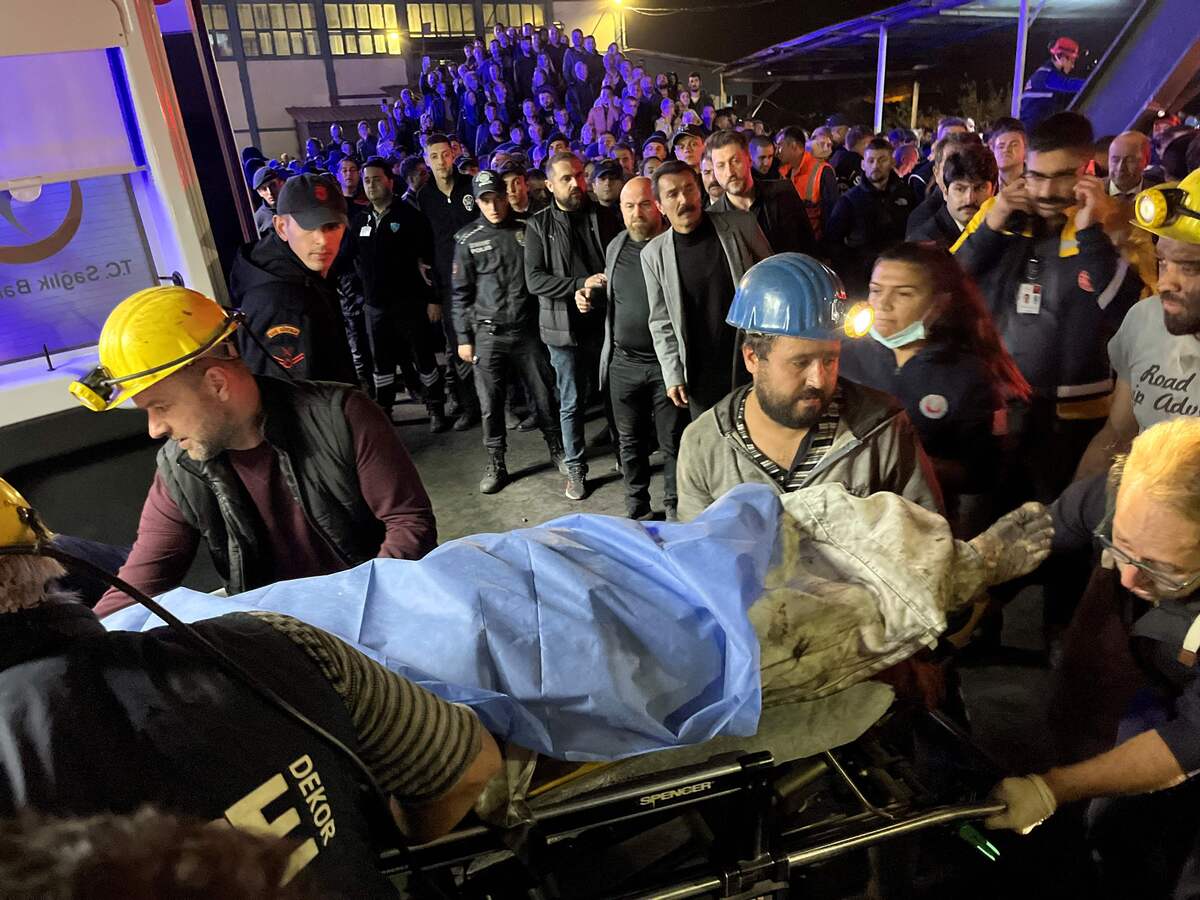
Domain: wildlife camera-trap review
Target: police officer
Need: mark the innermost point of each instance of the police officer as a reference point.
(448, 204)
(388, 245)
(495, 317)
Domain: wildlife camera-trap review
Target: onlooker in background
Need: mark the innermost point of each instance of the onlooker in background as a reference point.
(713, 191)
(414, 174)
(564, 251)
(906, 157)
(516, 189)
(367, 144)
(688, 145)
(496, 318)
(282, 285)
(649, 165)
(696, 93)
(923, 175)
(935, 195)
(389, 245)
(869, 218)
(820, 143)
(656, 146)
(607, 181)
(1007, 142)
(1050, 87)
(1051, 275)
(970, 176)
(349, 178)
(763, 157)
(622, 152)
(774, 204)
(838, 126)
(629, 368)
(847, 159)
(267, 183)
(691, 271)
(813, 180)
(448, 204)
(1128, 157)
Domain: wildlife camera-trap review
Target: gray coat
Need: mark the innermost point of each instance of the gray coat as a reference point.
(744, 245)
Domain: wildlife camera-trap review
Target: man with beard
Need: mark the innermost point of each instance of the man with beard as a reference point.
(1055, 287)
(628, 364)
(870, 217)
(798, 424)
(564, 251)
(763, 156)
(774, 204)
(713, 191)
(1156, 354)
(970, 176)
(281, 479)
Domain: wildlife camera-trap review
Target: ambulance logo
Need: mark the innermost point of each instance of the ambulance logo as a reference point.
(933, 406)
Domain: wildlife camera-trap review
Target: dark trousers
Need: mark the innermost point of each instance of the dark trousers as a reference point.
(500, 356)
(393, 334)
(459, 378)
(639, 394)
(356, 333)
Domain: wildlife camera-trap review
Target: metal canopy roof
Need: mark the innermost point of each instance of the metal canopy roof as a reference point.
(916, 30)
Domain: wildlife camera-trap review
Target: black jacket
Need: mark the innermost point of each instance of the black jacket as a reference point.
(847, 165)
(780, 214)
(386, 254)
(550, 269)
(865, 222)
(939, 228)
(446, 216)
(926, 208)
(489, 278)
(292, 311)
(104, 722)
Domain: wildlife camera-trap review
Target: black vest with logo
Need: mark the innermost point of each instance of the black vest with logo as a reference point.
(94, 721)
(305, 422)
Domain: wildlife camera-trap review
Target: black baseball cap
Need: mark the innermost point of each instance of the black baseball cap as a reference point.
(313, 201)
(486, 182)
(512, 167)
(837, 120)
(653, 139)
(608, 168)
(686, 131)
(265, 174)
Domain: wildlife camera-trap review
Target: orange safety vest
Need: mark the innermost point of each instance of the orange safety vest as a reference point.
(807, 182)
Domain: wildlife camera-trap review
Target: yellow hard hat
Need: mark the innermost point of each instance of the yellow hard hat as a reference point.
(1171, 210)
(18, 524)
(150, 335)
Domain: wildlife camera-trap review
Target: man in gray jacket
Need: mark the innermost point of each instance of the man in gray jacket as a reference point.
(691, 273)
(798, 424)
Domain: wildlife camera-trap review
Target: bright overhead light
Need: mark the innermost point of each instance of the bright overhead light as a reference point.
(393, 35)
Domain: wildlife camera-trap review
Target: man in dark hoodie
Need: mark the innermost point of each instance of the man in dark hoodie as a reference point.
(281, 283)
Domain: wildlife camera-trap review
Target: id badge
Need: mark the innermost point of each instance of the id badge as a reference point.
(1029, 299)
(365, 231)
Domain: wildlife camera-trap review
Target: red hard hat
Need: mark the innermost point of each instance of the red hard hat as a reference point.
(1065, 45)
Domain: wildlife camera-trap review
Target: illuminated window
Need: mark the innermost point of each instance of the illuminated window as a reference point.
(216, 23)
(441, 19)
(515, 14)
(278, 29)
(363, 29)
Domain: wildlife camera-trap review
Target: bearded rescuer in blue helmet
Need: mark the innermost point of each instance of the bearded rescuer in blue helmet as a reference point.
(798, 424)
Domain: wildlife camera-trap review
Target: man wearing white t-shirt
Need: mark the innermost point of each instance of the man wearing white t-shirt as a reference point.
(1156, 355)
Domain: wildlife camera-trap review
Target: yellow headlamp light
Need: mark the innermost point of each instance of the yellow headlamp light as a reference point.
(1171, 210)
(859, 320)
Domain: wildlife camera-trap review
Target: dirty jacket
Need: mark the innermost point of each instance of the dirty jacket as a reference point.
(875, 449)
(744, 245)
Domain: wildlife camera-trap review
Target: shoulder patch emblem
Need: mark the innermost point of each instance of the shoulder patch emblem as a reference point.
(395, 226)
(933, 406)
(468, 203)
(283, 329)
(519, 234)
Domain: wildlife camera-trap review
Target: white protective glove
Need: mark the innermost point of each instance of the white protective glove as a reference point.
(1029, 800)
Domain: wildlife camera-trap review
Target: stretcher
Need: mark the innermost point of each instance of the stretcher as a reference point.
(734, 817)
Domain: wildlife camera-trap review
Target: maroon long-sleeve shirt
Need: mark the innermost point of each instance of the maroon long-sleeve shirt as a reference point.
(166, 544)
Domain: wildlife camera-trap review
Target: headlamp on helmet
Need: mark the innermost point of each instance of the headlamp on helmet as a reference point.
(1171, 210)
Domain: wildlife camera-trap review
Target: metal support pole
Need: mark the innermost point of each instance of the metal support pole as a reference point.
(1019, 62)
(880, 72)
(912, 119)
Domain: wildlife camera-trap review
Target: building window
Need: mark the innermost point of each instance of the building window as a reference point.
(515, 14)
(278, 29)
(216, 23)
(363, 29)
(441, 19)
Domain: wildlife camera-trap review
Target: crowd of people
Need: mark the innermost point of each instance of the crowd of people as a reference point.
(542, 234)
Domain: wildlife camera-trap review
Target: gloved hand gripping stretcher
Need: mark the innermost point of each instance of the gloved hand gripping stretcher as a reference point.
(592, 638)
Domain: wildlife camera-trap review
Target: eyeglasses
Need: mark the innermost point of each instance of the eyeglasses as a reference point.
(1162, 581)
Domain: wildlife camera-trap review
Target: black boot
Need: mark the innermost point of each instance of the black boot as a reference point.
(495, 476)
(437, 418)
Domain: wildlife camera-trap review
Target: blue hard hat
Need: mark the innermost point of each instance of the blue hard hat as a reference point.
(790, 294)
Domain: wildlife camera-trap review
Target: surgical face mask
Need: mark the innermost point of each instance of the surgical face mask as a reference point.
(902, 338)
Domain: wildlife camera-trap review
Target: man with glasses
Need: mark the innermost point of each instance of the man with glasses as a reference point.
(1050, 88)
(1130, 658)
(1057, 290)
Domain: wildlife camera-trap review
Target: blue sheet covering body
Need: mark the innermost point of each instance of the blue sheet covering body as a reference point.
(586, 638)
